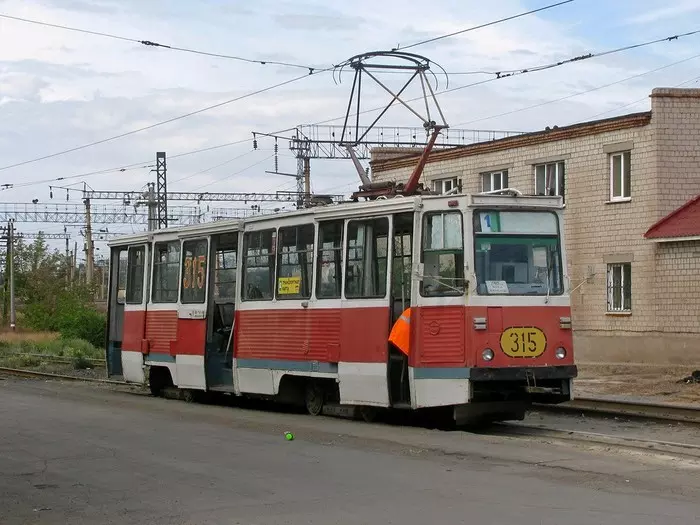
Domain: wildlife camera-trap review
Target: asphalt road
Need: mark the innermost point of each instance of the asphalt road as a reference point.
(81, 454)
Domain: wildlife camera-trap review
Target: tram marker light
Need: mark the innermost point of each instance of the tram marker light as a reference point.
(487, 354)
(560, 353)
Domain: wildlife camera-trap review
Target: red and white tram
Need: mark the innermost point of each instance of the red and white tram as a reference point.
(298, 306)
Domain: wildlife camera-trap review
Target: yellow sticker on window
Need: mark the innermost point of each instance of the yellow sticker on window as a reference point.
(288, 285)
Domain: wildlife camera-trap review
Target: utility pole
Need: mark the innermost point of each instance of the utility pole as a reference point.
(89, 246)
(68, 258)
(74, 264)
(162, 189)
(11, 258)
(307, 181)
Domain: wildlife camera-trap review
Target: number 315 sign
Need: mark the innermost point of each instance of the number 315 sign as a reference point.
(194, 274)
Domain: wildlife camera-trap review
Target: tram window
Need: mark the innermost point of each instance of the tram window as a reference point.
(225, 268)
(135, 269)
(122, 262)
(367, 252)
(330, 260)
(295, 262)
(259, 265)
(166, 270)
(194, 271)
(443, 254)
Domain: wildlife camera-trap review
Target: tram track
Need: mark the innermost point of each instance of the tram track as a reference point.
(633, 443)
(626, 408)
(586, 406)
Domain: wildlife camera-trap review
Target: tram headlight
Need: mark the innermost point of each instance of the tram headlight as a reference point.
(560, 353)
(487, 354)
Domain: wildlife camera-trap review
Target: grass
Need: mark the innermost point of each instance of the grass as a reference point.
(12, 343)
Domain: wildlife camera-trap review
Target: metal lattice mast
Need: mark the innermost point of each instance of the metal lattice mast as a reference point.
(162, 189)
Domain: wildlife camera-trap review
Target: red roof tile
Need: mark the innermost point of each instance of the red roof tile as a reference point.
(682, 222)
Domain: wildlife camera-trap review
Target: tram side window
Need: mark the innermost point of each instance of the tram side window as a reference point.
(225, 269)
(122, 264)
(367, 251)
(194, 271)
(295, 262)
(259, 265)
(166, 270)
(135, 269)
(443, 254)
(330, 260)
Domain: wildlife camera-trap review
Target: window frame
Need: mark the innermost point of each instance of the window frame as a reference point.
(454, 183)
(625, 288)
(560, 251)
(502, 174)
(122, 250)
(421, 247)
(155, 264)
(309, 263)
(127, 300)
(559, 177)
(320, 250)
(625, 178)
(273, 268)
(346, 249)
(204, 272)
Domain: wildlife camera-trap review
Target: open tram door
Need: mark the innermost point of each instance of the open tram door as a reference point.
(400, 299)
(115, 308)
(218, 357)
(126, 318)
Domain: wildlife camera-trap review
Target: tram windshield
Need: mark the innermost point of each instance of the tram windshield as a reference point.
(517, 253)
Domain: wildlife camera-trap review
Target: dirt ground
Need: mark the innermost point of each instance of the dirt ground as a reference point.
(660, 383)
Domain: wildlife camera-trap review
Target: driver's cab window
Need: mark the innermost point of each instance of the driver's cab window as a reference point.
(443, 254)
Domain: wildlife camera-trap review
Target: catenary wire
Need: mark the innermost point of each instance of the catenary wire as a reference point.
(579, 92)
(517, 72)
(161, 123)
(151, 43)
(519, 15)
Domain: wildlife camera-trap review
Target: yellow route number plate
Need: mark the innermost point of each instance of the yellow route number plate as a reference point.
(523, 342)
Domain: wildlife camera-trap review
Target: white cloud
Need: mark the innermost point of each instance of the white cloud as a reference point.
(60, 89)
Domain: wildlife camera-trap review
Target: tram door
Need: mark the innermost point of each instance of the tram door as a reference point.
(218, 359)
(399, 390)
(116, 298)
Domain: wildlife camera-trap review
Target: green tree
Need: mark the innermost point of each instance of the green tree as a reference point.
(47, 300)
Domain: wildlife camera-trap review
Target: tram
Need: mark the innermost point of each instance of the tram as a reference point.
(298, 306)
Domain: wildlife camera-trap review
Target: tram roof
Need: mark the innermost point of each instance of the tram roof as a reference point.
(342, 210)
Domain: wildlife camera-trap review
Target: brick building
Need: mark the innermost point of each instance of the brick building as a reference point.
(632, 222)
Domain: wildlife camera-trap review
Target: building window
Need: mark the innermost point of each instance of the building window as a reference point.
(494, 180)
(445, 185)
(549, 179)
(620, 287)
(620, 176)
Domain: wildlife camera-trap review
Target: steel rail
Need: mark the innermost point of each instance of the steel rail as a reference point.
(627, 407)
(33, 373)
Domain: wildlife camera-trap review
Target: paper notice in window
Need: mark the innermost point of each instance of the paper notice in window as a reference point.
(288, 285)
(497, 287)
(539, 257)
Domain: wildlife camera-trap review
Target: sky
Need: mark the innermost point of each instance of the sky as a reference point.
(61, 89)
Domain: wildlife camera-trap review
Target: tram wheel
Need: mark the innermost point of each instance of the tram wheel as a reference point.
(314, 398)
